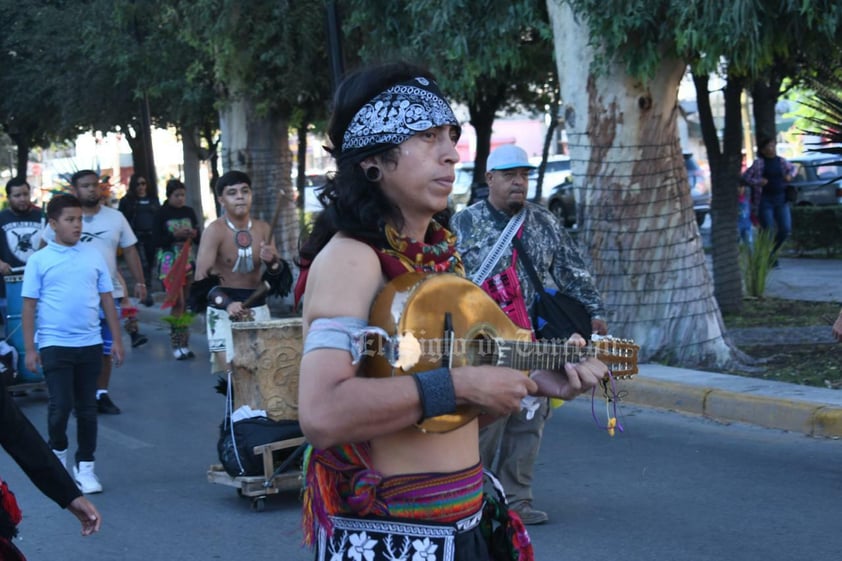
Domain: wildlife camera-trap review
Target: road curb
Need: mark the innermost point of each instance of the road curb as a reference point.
(809, 418)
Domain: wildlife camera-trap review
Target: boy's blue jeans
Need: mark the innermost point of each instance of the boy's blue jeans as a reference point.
(71, 374)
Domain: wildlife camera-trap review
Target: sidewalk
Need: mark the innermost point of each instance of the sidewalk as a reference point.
(728, 398)
(725, 397)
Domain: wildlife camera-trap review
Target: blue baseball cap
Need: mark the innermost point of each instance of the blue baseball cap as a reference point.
(508, 156)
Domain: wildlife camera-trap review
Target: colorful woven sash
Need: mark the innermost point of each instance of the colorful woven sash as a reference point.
(341, 481)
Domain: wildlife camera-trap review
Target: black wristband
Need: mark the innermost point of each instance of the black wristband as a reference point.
(435, 392)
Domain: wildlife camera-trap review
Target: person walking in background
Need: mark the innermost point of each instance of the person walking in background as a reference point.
(175, 225)
(768, 177)
(68, 283)
(106, 230)
(837, 328)
(371, 469)
(139, 206)
(21, 225)
(232, 248)
(516, 438)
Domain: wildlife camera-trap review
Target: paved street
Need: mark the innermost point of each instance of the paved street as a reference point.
(670, 487)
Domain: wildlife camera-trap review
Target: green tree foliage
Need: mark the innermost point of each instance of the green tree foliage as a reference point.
(273, 51)
(30, 105)
(750, 35)
(488, 55)
(825, 121)
(93, 73)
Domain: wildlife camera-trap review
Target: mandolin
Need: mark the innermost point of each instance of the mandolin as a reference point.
(430, 320)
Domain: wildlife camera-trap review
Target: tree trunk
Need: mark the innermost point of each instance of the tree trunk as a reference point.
(138, 146)
(545, 151)
(209, 136)
(147, 162)
(192, 183)
(764, 98)
(482, 114)
(302, 164)
(22, 143)
(638, 227)
(725, 174)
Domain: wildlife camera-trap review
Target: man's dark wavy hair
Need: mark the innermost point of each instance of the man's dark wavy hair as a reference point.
(353, 204)
(233, 177)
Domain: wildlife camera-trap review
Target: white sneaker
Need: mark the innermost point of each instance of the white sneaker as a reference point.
(62, 457)
(86, 479)
(178, 354)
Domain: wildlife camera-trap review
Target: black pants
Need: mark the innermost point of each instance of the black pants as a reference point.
(71, 374)
(146, 252)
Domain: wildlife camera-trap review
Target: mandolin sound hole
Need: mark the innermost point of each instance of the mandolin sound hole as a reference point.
(481, 350)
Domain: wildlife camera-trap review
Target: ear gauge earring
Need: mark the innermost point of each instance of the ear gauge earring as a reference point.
(373, 174)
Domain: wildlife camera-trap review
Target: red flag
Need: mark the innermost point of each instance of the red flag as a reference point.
(176, 278)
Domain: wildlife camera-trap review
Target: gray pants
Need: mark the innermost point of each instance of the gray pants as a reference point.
(514, 442)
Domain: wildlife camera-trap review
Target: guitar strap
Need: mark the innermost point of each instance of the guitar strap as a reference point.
(515, 222)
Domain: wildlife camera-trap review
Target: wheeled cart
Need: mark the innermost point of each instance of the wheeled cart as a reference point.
(285, 477)
(265, 376)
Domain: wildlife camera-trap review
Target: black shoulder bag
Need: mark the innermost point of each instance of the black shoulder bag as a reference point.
(554, 315)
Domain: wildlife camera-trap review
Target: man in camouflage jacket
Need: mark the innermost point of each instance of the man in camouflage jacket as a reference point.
(556, 259)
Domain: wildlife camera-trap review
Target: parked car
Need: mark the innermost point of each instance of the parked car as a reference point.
(562, 202)
(461, 194)
(562, 198)
(312, 185)
(699, 187)
(556, 172)
(818, 179)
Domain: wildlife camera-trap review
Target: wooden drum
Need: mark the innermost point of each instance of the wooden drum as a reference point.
(267, 357)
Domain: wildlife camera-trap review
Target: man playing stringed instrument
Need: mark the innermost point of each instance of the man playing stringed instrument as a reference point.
(232, 248)
(376, 485)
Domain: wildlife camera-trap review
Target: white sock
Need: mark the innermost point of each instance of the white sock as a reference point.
(99, 393)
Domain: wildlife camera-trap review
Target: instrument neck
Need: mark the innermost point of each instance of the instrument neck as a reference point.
(541, 355)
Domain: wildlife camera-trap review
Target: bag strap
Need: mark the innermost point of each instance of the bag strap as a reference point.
(536, 280)
(530, 268)
(229, 412)
(493, 257)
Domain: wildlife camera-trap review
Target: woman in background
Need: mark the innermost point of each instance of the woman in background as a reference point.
(175, 224)
(139, 206)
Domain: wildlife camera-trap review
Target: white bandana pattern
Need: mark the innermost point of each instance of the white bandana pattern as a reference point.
(397, 113)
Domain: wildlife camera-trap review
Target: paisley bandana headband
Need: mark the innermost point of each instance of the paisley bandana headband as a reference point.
(398, 113)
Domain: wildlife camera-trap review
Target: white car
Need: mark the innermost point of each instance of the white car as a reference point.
(556, 172)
